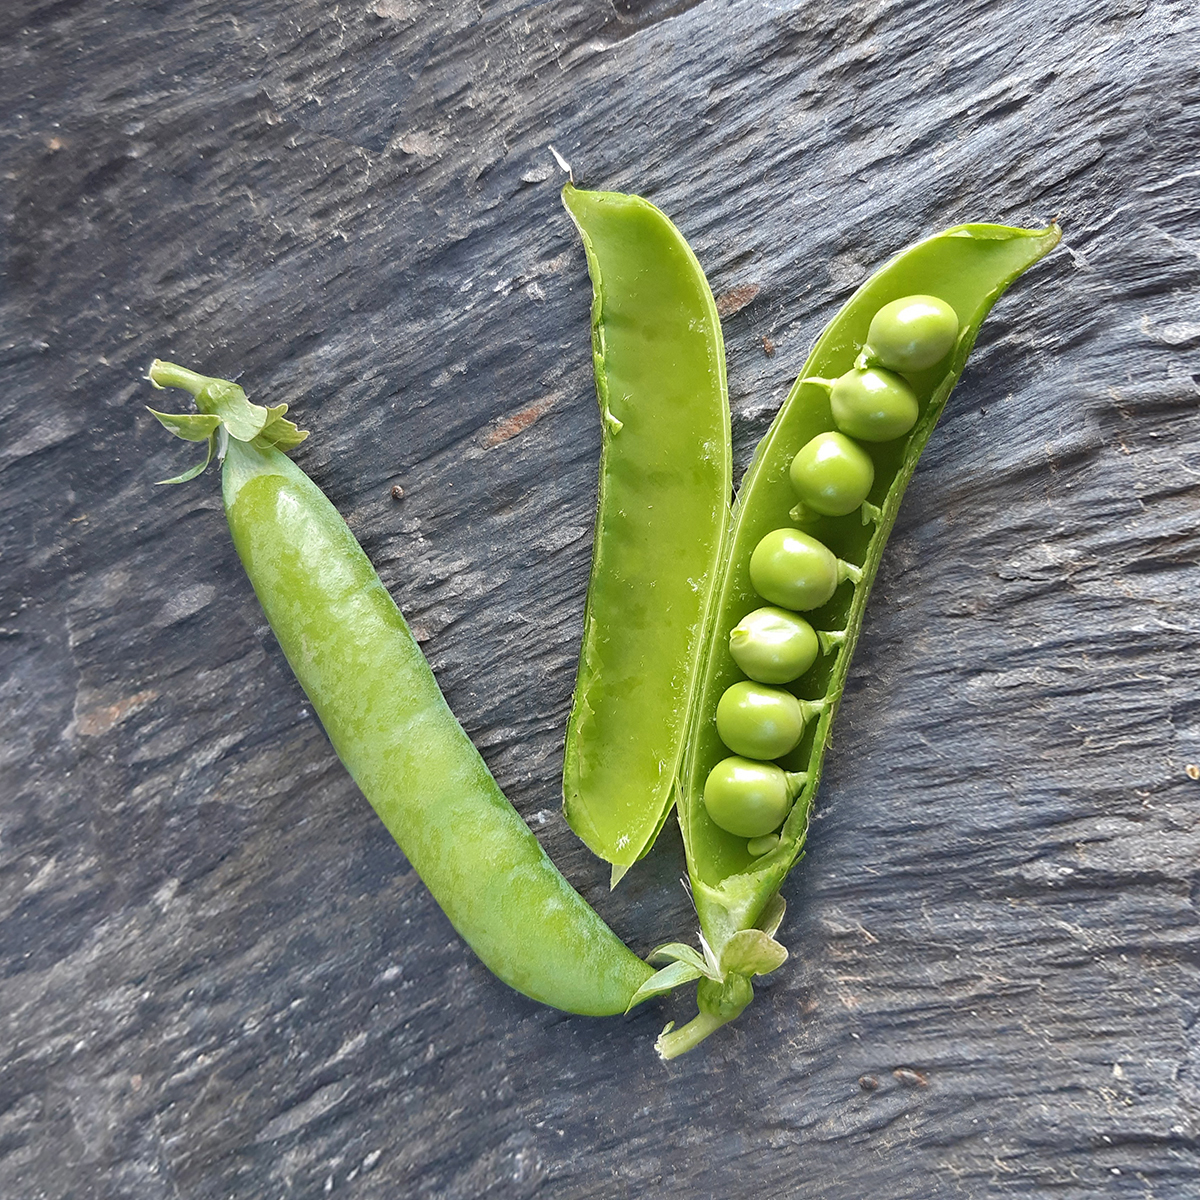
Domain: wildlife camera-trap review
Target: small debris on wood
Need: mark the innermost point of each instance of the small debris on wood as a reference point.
(563, 165)
(397, 492)
(508, 427)
(538, 174)
(868, 1083)
(736, 299)
(1192, 771)
(910, 1078)
(768, 347)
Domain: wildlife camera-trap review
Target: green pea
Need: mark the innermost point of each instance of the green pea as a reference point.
(873, 405)
(794, 570)
(912, 333)
(773, 645)
(750, 799)
(758, 721)
(832, 475)
(757, 847)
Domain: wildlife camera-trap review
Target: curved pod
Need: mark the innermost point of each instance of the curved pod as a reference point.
(663, 516)
(376, 696)
(968, 267)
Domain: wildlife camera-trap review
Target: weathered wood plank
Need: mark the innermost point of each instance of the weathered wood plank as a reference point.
(217, 975)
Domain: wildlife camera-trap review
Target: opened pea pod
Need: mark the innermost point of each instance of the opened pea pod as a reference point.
(911, 325)
(810, 522)
(661, 524)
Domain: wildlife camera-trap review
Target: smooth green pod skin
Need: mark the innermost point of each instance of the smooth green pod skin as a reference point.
(911, 334)
(794, 570)
(385, 715)
(969, 267)
(873, 405)
(748, 799)
(772, 645)
(756, 720)
(661, 525)
(831, 474)
(369, 683)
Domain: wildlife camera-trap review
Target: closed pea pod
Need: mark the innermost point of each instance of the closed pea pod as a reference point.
(369, 683)
(734, 883)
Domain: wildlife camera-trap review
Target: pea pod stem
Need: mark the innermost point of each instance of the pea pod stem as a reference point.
(673, 1042)
(385, 715)
(848, 572)
(831, 640)
(165, 375)
(795, 781)
(801, 513)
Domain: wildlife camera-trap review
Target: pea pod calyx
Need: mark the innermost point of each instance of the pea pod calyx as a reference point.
(223, 412)
(724, 983)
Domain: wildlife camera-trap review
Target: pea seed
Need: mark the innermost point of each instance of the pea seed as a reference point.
(795, 571)
(758, 721)
(772, 645)
(831, 474)
(757, 847)
(912, 333)
(873, 405)
(750, 799)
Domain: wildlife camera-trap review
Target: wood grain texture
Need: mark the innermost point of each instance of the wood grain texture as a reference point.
(218, 978)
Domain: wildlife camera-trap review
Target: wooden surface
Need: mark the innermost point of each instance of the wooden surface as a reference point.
(218, 976)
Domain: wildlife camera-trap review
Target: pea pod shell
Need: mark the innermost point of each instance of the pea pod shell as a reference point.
(662, 520)
(369, 683)
(969, 266)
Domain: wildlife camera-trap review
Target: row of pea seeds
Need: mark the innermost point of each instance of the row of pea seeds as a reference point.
(748, 794)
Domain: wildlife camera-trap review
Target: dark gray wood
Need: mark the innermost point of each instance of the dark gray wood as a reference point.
(218, 977)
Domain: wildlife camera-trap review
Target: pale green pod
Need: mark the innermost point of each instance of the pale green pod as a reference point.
(665, 481)
(967, 268)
